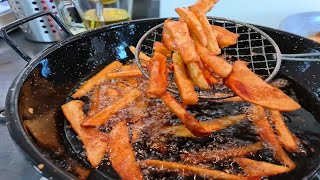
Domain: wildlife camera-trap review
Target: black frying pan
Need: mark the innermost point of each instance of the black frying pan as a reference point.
(46, 81)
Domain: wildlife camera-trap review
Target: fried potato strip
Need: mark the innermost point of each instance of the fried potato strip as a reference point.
(210, 126)
(96, 80)
(252, 88)
(189, 121)
(142, 55)
(183, 42)
(158, 80)
(218, 65)
(202, 6)
(162, 49)
(218, 155)
(259, 168)
(197, 76)
(193, 23)
(265, 131)
(94, 102)
(168, 40)
(121, 153)
(285, 136)
(105, 114)
(185, 85)
(189, 170)
(124, 74)
(225, 38)
(90, 137)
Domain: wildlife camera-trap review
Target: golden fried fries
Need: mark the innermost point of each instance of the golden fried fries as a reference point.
(168, 40)
(158, 75)
(285, 136)
(218, 65)
(162, 49)
(189, 121)
(210, 126)
(202, 6)
(225, 38)
(90, 137)
(197, 76)
(96, 80)
(103, 116)
(121, 153)
(142, 56)
(267, 135)
(185, 86)
(259, 168)
(218, 155)
(183, 42)
(193, 24)
(252, 88)
(124, 74)
(188, 169)
(207, 74)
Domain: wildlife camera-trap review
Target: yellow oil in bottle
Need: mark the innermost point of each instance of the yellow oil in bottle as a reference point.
(110, 15)
(105, 1)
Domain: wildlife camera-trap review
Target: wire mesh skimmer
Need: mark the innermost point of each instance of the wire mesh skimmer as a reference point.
(253, 46)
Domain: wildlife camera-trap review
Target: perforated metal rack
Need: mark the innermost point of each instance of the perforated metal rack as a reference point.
(253, 46)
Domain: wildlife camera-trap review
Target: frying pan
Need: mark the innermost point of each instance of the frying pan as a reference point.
(42, 86)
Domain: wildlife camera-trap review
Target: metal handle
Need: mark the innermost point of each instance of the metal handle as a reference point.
(5, 30)
(63, 9)
(310, 57)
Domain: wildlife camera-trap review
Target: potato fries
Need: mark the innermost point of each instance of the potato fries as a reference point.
(184, 44)
(259, 168)
(97, 79)
(142, 56)
(121, 153)
(285, 136)
(91, 137)
(210, 126)
(197, 76)
(189, 170)
(162, 49)
(184, 84)
(225, 38)
(168, 40)
(190, 122)
(124, 74)
(94, 102)
(252, 88)
(265, 131)
(202, 6)
(106, 113)
(214, 155)
(158, 75)
(193, 24)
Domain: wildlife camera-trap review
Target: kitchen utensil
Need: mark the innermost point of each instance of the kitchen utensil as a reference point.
(48, 79)
(42, 29)
(97, 13)
(254, 46)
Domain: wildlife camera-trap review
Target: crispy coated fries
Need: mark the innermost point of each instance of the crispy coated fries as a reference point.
(142, 56)
(124, 74)
(202, 6)
(190, 122)
(158, 75)
(184, 84)
(285, 136)
(121, 153)
(225, 38)
(197, 76)
(218, 155)
(210, 126)
(106, 113)
(259, 168)
(168, 40)
(218, 65)
(96, 80)
(91, 137)
(267, 135)
(162, 49)
(183, 42)
(193, 23)
(189, 170)
(252, 88)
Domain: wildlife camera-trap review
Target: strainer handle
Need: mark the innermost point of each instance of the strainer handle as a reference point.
(6, 29)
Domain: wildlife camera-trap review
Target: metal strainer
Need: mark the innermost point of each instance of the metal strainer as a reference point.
(254, 46)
